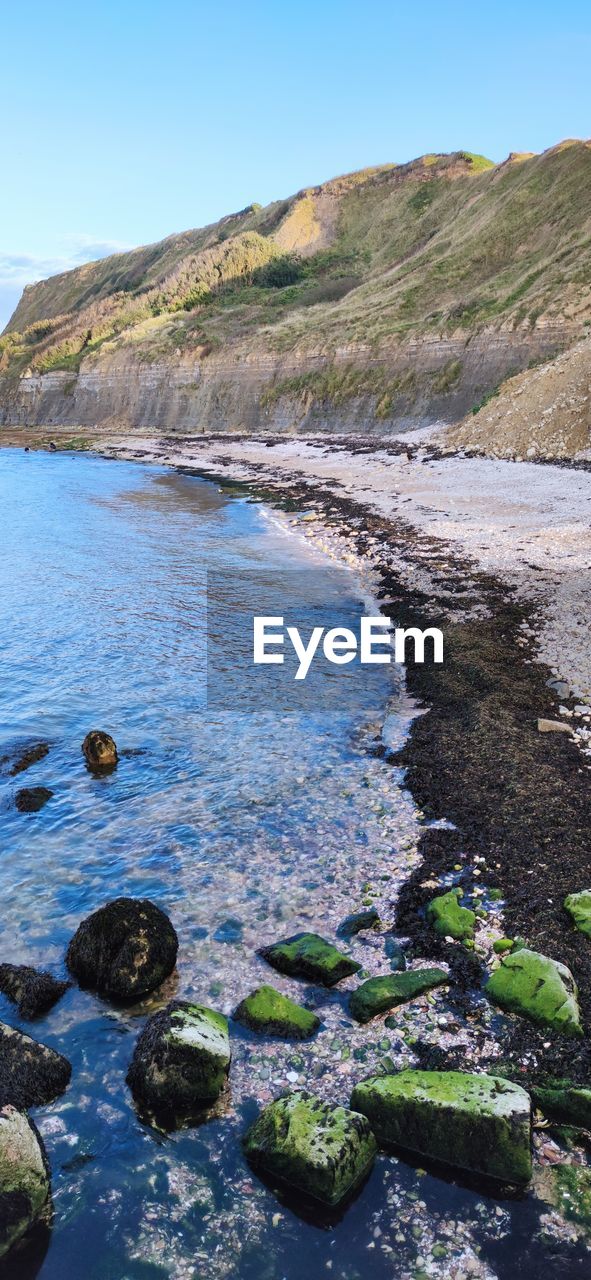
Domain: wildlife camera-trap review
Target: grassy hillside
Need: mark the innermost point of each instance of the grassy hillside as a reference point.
(445, 244)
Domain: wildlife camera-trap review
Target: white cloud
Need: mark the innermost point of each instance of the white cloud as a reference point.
(19, 269)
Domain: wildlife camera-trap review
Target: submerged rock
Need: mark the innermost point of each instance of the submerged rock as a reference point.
(449, 919)
(19, 758)
(32, 990)
(538, 988)
(307, 955)
(477, 1123)
(578, 906)
(181, 1059)
(32, 799)
(99, 750)
(358, 921)
(395, 955)
(31, 1074)
(125, 949)
(318, 1149)
(563, 1101)
(377, 995)
(24, 1177)
(270, 1012)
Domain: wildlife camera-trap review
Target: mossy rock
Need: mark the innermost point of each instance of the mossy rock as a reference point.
(377, 995)
(537, 988)
(477, 1123)
(124, 950)
(181, 1059)
(24, 1177)
(567, 1187)
(502, 945)
(578, 906)
(273, 1014)
(449, 919)
(32, 990)
(358, 921)
(317, 1149)
(307, 955)
(31, 1074)
(563, 1101)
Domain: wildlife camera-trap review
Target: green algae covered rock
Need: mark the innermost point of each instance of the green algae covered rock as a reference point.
(270, 1012)
(449, 919)
(24, 1177)
(563, 1101)
(478, 1123)
(578, 906)
(307, 955)
(316, 1148)
(377, 995)
(538, 988)
(567, 1188)
(181, 1058)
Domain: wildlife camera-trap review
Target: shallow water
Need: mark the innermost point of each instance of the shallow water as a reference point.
(245, 827)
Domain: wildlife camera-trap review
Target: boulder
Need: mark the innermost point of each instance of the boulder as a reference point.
(125, 949)
(31, 1074)
(449, 919)
(358, 921)
(313, 1147)
(99, 750)
(538, 988)
(477, 1123)
(306, 955)
(270, 1012)
(578, 906)
(24, 1177)
(32, 799)
(563, 1101)
(32, 990)
(181, 1059)
(377, 995)
(19, 758)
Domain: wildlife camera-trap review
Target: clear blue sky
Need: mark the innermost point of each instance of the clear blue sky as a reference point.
(124, 121)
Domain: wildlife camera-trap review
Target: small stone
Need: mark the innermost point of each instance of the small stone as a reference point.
(358, 921)
(24, 1177)
(99, 750)
(395, 955)
(270, 1012)
(230, 932)
(578, 906)
(553, 726)
(538, 988)
(560, 687)
(307, 955)
(32, 990)
(32, 799)
(31, 1074)
(501, 945)
(317, 1149)
(181, 1059)
(377, 995)
(449, 919)
(125, 949)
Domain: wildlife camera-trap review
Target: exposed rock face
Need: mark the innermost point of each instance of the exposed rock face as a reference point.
(125, 949)
(317, 1149)
(273, 1014)
(377, 995)
(32, 799)
(24, 1177)
(99, 750)
(32, 990)
(578, 906)
(31, 1074)
(449, 919)
(181, 1058)
(307, 955)
(478, 1123)
(537, 988)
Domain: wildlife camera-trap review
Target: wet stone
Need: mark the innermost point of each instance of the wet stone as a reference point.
(319, 1150)
(395, 955)
(358, 921)
(32, 990)
(449, 919)
(230, 932)
(271, 1013)
(32, 799)
(31, 1074)
(19, 758)
(378, 995)
(307, 955)
(125, 949)
(560, 1100)
(578, 906)
(181, 1059)
(477, 1123)
(543, 990)
(24, 1177)
(99, 750)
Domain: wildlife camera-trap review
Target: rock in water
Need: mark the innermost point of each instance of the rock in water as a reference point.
(578, 906)
(318, 1149)
(32, 990)
(125, 949)
(31, 1074)
(537, 988)
(358, 921)
(99, 750)
(32, 799)
(270, 1012)
(306, 955)
(20, 758)
(449, 919)
(478, 1123)
(377, 995)
(181, 1058)
(24, 1177)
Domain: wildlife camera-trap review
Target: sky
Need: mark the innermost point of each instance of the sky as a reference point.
(123, 122)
